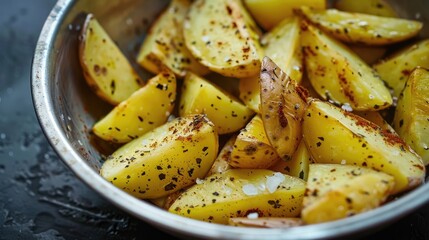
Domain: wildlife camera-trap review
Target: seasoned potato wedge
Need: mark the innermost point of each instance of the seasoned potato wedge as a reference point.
(338, 74)
(252, 149)
(106, 70)
(239, 192)
(372, 7)
(362, 28)
(147, 108)
(269, 13)
(221, 163)
(298, 165)
(164, 160)
(281, 44)
(223, 109)
(411, 119)
(396, 68)
(337, 191)
(265, 222)
(223, 37)
(283, 104)
(333, 135)
(164, 45)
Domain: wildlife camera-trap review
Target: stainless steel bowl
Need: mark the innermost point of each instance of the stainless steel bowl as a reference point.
(66, 110)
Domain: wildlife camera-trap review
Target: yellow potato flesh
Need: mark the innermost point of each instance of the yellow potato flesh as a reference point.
(362, 28)
(411, 119)
(106, 70)
(164, 46)
(336, 136)
(396, 68)
(336, 191)
(238, 192)
(223, 109)
(147, 108)
(269, 13)
(220, 35)
(372, 7)
(338, 74)
(252, 149)
(164, 160)
(283, 104)
(298, 165)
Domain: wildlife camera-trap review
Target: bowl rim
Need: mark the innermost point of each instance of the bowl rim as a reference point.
(164, 220)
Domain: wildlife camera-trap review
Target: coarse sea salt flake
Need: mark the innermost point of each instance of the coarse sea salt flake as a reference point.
(250, 190)
(253, 215)
(274, 181)
(199, 181)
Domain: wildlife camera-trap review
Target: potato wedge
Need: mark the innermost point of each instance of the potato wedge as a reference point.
(396, 68)
(373, 7)
(265, 222)
(239, 192)
(106, 70)
(362, 28)
(411, 119)
(269, 13)
(223, 109)
(219, 34)
(252, 149)
(147, 108)
(164, 160)
(338, 191)
(338, 74)
(298, 165)
(283, 104)
(281, 44)
(333, 135)
(221, 163)
(164, 45)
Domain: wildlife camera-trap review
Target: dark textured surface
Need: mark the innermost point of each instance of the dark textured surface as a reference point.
(39, 197)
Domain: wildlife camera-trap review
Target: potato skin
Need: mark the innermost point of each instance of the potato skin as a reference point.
(164, 160)
(222, 196)
(333, 135)
(106, 70)
(147, 108)
(411, 119)
(283, 104)
(338, 191)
